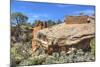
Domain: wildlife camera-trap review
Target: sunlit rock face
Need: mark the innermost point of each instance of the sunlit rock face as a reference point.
(65, 37)
(39, 26)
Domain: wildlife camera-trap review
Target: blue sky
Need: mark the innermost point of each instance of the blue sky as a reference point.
(46, 11)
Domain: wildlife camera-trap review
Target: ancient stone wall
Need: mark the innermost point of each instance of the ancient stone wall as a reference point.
(76, 19)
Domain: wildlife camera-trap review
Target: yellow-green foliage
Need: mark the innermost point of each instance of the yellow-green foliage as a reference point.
(33, 60)
(92, 45)
(15, 56)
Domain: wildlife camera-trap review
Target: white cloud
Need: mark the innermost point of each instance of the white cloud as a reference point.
(86, 12)
(36, 16)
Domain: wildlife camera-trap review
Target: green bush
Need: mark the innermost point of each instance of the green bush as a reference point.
(20, 52)
(92, 45)
(35, 60)
(18, 57)
(15, 57)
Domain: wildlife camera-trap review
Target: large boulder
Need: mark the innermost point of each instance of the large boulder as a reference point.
(66, 36)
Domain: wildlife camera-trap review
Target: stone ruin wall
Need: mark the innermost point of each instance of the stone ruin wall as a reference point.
(78, 19)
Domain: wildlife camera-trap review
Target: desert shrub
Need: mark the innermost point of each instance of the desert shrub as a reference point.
(50, 60)
(69, 58)
(20, 52)
(39, 51)
(92, 45)
(34, 60)
(12, 62)
(73, 57)
(56, 55)
(61, 59)
(25, 62)
(21, 55)
(88, 57)
(80, 52)
(38, 60)
(24, 50)
(15, 57)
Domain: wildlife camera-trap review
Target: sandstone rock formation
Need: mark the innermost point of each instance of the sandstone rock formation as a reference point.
(39, 26)
(65, 37)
